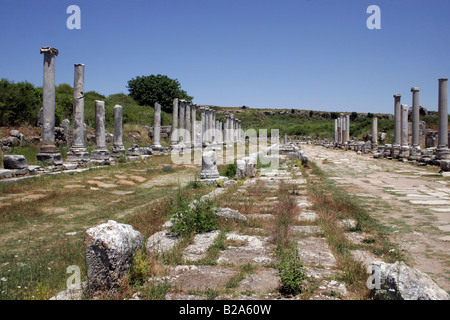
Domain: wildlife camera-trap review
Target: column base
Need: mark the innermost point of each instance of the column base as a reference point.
(117, 151)
(443, 153)
(78, 155)
(50, 158)
(395, 151)
(404, 153)
(209, 174)
(100, 154)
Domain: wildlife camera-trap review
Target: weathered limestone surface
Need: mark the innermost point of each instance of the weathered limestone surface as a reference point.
(109, 249)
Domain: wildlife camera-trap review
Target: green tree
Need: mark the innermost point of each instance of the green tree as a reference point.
(19, 103)
(147, 90)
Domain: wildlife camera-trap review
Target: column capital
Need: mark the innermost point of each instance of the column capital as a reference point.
(49, 50)
(415, 89)
(398, 95)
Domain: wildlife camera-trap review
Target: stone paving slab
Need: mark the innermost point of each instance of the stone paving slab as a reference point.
(200, 278)
(199, 248)
(306, 230)
(316, 253)
(263, 281)
(248, 249)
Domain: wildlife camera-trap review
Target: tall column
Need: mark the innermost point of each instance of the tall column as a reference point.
(157, 128)
(210, 125)
(344, 129)
(182, 121)
(193, 121)
(174, 132)
(442, 150)
(100, 152)
(78, 152)
(415, 118)
(404, 151)
(213, 126)
(118, 148)
(203, 119)
(374, 134)
(48, 152)
(335, 131)
(397, 126)
(188, 123)
(347, 128)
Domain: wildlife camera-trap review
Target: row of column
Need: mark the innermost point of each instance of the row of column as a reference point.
(210, 131)
(342, 129)
(400, 146)
(78, 153)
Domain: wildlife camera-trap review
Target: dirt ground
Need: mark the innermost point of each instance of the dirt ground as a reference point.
(412, 201)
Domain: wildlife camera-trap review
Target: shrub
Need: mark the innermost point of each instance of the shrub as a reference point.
(199, 217)
(230, 170)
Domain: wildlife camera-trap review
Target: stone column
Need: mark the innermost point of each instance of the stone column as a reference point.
(118, 148)
(203, 120)
(78, 152)
(48, 152)
(344, 129)
(347, 128)
(193, 121)
(157, 128)
(100, 153)
(442, 150)
(188, 124)
(210, 126)
(404, 148)
(227, 129)
(213, 126)
(182, 121)
(174, 134)
(374, 134)
(397, 126)
(335, 131)
(415, 118)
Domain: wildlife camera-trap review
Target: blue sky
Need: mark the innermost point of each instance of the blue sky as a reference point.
(304, 54)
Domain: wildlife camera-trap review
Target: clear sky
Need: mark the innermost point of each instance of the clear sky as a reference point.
(304, 54)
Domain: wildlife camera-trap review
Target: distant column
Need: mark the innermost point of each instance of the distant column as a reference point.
(188, 123)
(48, 152)
(203, 126)
(173, 133)
(182, 121)
(404, 151)
(374, 133)
(78, 152)
(347, 128)
(397, 120)
(415, 118)
(118, 148)
(335, 130)
(157, 128)
(100, 152)
(193, 131)
(442, 151)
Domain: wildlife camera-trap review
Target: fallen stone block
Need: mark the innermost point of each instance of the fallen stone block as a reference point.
(110, 248)
(15, 161)
(397, 281)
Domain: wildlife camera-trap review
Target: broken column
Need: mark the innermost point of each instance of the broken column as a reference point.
(48, 152)
(100, 153)
(415, 149)
(157, 128)
(174, 131)
(404, 147)
(209, 166)
(118, 148)
(397, 126)
(78, 152)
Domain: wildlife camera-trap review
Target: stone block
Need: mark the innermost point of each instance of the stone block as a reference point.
(15, 162)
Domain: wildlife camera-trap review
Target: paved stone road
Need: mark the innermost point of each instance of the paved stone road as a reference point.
(414, 201)
(252, 246)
